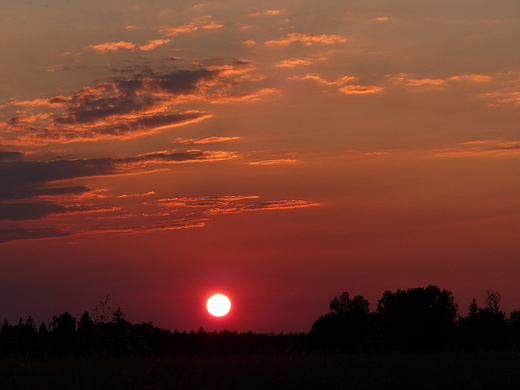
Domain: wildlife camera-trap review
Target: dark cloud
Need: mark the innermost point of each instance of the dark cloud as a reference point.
(182, 81)
(22, 179)
(22, 173)
(7, 155)
(96, 110)
(119, 107)
(158, 157)
(33, 179)
(242, 63)
(18, 233)
(25, 211)
(10, 192)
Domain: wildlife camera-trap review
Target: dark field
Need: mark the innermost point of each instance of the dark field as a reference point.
(395, 370)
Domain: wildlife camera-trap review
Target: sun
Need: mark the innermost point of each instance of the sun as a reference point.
(218, 305)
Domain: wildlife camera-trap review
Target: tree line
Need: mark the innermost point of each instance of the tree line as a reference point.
(413, 319)
(114, 336)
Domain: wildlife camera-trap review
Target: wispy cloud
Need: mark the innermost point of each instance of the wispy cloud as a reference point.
(125, 107)
(170, 224)
(236, 97)
(360, 89)
(206, 201)
(212, 26)
(19, 233)
(408, 80)
(203, 140)
(163, 214)
(111, 46)
(479, 148)
(202, 23)
(137, 195)
(273, 161)
(34, 179)
(214, 205)
(271, 12)
(263, 206)
(292, 62)
(473, 77)
(322, 81)
(307, 39)
(115, 46)
(419, 82)
(347, 89)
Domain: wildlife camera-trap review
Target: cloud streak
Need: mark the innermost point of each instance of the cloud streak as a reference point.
(29, 179)
(203, 140)
(263, 206)
(306, 39)
(271, 12)
(125, 107)
(360, 89)
(195, 25)
(24, 183)
(322, 81)
(115, 46)
(292, 62)
(18, 233)
(234, 204)
(473, 148)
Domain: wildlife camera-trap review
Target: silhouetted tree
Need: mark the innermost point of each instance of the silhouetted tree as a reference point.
(85, 323)
(342, 305)
(119, 334)
(63, 333)
(118, 316)
(101, 310)
(348, 326)
(514, 323)
(6, 338)
(473, 310)
(417, 318)
(86, 334)
(30, 342)
(492, 325)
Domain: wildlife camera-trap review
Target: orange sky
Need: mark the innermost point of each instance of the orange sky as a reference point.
(281, 152)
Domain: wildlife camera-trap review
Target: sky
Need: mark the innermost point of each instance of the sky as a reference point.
(280, 152)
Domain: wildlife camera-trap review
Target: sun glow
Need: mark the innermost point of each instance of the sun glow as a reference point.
(218, 305)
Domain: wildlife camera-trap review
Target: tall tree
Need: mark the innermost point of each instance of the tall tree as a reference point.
(348, 326)
(417, 317)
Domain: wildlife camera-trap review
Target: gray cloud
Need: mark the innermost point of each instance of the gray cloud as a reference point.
(7, 155)
(17, 233)
(32, 179)
(118, 107)
(25, 211)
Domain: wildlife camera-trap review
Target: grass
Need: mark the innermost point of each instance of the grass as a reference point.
(395, 370)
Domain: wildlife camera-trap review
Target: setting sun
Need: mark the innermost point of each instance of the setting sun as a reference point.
(218, 305)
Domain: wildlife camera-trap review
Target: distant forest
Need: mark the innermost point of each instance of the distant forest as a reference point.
(422, 319)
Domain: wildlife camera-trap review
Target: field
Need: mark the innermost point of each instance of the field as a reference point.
(395, 370)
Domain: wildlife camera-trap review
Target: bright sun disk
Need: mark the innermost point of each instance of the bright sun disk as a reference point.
(218, 305)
